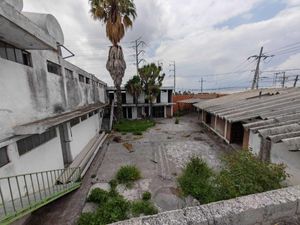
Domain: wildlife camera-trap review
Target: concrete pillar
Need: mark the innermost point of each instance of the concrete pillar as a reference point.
(246, 139)
(225, 129)
(216, 119)
(165, 111)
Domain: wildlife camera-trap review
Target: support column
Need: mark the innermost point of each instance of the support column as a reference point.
(165, 111)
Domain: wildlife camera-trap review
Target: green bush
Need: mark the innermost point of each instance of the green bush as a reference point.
(143, 208)
(113, 184)
(245, 174)
(89, 219)
(127, 175)
(98, 196)
(146, 196)
(197, 181)
(242, 174)
(115, 209)
(177, 120)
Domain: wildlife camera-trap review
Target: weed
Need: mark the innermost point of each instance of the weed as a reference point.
(98, 196)
(146, 196)
(177, 120)
(127, 175)
(113, 184)
(143, 208)
(93, 176)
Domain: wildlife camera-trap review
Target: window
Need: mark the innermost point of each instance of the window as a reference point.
(69, 73)
(81, 78)
(12, 53)
(91, 114)
(27, 144)
(53, 68)
(84, 117)
(123, 98)
(74, 121)
(87, 80)
(3, 156)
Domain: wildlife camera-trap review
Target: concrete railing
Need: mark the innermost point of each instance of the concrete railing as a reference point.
(264, 208)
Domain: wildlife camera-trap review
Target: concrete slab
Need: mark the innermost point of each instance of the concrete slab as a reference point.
(160, 153)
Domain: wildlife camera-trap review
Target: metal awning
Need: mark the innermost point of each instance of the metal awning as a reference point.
(40, 126)
(18, 30)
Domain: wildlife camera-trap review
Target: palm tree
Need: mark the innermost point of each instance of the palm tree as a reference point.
(134, 87)
(152, 79)
(118, 15)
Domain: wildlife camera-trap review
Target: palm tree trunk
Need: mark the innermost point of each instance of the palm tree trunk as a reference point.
(116, 66)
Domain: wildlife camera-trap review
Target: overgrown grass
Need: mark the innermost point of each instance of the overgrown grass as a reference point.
(243, 174)
(134, 126)
(177, 120)
(128, 174)
(142, 207)
(113, 207)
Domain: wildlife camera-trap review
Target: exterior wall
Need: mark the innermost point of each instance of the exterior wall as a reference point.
(183, 106)
(83, 132)
(280, 154)
(129, 98)
(47, 156)
(220, 126)
(254, 143)
(273, 207)
(32, 93)
(141, 98)
(164, 96)
(246, 139)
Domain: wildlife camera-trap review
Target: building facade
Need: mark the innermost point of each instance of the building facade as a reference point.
(162, 105)
(50, 109)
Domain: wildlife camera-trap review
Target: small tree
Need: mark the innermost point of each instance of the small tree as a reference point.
(151, 78)
(134, 87)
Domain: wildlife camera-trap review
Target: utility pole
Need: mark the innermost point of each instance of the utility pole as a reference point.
(275, 79)
(137, 44)
(256, 74)
(173, 65)
(296, 80)
(201, 81)
(283, 79)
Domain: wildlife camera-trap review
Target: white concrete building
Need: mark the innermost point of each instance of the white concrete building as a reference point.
(50, 110)
(162, 105)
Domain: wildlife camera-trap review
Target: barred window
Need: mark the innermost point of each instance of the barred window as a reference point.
(15, 54)
(84, 117)
(81, 78)
(53, 68)
(27, 144)
(87, 80)
(69, 73)
(74, 121)
(3, 156)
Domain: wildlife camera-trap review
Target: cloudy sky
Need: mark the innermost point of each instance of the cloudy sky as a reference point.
(211, 39)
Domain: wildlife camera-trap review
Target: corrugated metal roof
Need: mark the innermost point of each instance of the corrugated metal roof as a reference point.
(278, 112)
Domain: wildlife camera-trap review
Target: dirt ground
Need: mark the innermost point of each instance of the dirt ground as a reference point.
(160, 153)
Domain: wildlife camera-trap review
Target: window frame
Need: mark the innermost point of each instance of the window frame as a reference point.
(7, 161)
(22, 61)
(31, 142)
(58, 67)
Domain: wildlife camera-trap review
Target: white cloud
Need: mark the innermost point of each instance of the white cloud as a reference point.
(184, 31)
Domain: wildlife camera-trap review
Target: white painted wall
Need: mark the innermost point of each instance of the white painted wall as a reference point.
(129, 98)
(164, 96)
(254, 143)
(281, 154)
(43, 158)
(82, 133)
(142, 98)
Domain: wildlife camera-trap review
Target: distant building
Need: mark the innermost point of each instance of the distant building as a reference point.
(162, 105)
(50, 110)
(266, 121)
